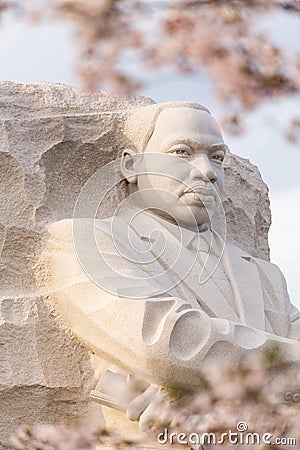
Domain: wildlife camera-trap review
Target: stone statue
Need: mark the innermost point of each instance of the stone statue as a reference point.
(157, 290)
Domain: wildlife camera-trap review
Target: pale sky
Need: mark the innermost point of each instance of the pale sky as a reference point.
(43, 52)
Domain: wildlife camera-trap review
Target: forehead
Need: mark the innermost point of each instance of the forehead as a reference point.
(184, 123)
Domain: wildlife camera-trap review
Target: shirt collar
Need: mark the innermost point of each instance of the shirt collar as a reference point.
(203, 241)
(184, 235)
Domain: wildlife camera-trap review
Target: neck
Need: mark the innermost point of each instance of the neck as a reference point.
(167, 217)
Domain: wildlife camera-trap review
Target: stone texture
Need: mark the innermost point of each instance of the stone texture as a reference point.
(53, 138)
(247, 207)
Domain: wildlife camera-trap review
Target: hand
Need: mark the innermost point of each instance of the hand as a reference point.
(146, 408)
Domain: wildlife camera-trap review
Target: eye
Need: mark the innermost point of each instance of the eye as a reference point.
(218, 157)
(180, 151)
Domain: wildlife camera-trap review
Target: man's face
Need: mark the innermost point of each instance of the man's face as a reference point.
(181, 169)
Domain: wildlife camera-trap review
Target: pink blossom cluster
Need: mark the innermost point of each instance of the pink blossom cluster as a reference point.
(253, 392)
(80, 436)
(117, 41)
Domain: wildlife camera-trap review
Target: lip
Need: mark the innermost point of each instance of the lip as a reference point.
(200, 189)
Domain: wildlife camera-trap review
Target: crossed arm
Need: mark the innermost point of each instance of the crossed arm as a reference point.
(163, 339)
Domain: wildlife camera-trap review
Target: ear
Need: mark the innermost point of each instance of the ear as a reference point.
(128, 164)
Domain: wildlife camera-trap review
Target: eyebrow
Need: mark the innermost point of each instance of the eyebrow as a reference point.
(221, 146)
(189, 141)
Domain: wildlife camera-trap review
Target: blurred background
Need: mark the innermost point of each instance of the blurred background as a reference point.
(266, 129)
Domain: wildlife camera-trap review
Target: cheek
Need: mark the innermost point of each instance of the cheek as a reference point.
(162, 182)
(147, 181)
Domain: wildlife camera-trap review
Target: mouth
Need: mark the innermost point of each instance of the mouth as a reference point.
(200, 195)
(200, 190)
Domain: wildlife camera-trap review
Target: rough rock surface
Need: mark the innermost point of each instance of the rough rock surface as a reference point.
(247, 207)
(52, 139)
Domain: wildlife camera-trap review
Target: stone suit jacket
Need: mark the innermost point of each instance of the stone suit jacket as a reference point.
(165, 337)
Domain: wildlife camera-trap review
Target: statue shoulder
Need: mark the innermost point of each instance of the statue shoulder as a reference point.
(61, 230)
(270, 275)
(265, 265)
(65, 230)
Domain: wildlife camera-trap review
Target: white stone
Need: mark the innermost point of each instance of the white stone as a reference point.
(162, 292)
(53, 138)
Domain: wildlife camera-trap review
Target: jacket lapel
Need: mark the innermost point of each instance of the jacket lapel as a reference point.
(250, 300)
(184, 269)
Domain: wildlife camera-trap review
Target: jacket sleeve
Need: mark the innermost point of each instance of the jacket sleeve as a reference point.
(276, 290)
(163, 339)
(293, 312)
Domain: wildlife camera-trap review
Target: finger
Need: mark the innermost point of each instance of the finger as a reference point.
(152, 412)
(138, 405)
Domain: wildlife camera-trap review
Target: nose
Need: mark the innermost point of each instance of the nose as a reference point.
(203, 170)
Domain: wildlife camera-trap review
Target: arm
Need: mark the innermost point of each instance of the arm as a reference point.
(292, 311)
(276, 287)
(163, 339)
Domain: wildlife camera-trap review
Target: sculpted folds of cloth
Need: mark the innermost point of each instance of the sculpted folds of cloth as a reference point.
(156, 290)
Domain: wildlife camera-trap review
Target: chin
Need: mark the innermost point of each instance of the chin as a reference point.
(201, 214)
(193, 218)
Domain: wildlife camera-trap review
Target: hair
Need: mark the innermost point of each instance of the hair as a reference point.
(140, 123)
